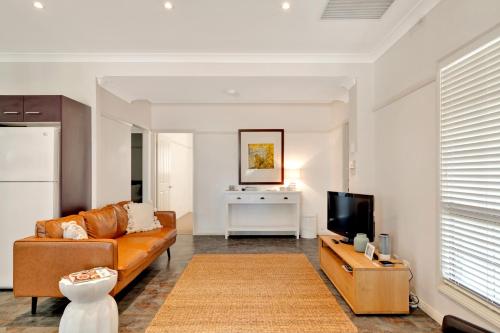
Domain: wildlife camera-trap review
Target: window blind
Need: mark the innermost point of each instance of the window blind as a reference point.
(470, 172)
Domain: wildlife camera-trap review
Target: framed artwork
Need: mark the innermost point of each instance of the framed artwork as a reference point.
(369, 251)
(261, 153)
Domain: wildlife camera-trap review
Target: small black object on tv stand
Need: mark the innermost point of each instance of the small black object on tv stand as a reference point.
(347, 240)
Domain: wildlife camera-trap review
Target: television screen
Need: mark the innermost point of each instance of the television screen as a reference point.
(349, 214)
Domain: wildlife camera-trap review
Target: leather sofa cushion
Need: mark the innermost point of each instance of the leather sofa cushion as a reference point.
(147, 244)
(121, 217)
(130, 258)
(53, 227)
(163, 233)
(40, 229)
(101, 223)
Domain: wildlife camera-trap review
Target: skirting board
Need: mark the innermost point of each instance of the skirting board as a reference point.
(245, 233)
(430, 311)
(208, 233)
(321, 232)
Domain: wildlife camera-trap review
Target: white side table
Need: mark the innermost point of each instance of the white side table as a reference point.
(91, 309)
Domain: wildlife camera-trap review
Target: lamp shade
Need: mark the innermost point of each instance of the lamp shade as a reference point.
(293, 174)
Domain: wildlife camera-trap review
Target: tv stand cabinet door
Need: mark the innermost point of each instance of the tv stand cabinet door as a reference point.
(381, 292)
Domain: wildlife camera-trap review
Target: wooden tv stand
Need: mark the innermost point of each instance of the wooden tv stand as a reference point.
(370, 288)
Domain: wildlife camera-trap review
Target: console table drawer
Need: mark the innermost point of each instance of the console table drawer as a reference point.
(262, 198)
(278, 198)
(238, 199)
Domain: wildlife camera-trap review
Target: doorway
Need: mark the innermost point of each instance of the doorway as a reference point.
(175, 177)
(137, 179)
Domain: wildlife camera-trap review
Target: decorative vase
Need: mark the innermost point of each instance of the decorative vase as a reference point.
(384, 243)
(360, 242)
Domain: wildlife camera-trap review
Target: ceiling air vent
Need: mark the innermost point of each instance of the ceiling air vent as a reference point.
(355, 9)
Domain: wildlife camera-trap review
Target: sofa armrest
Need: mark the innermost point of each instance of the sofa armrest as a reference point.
(167, 219)
(452, 324)
(39, 263)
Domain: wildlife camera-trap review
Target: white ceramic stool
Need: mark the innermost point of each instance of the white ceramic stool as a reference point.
(91, 309)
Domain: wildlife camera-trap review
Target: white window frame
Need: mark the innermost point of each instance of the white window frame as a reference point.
(460, 295)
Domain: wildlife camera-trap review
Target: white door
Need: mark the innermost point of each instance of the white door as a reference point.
(21, 205)
(29, 154)
(175, 172)
(163, 173)
(181, 178)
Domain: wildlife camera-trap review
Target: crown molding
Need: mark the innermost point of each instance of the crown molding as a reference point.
(342, 97)
(155, 57)
(412, 18)
(247, 101)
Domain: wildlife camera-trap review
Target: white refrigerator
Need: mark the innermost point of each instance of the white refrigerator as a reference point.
(29, 187)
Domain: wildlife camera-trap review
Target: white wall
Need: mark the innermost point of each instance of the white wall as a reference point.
(115, 157)
(115, 127)
(406, 141)
(230, 117)
(313, 140)
(77, 80)
(137, 113)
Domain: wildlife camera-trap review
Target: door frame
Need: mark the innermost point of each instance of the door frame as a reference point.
(194, 180)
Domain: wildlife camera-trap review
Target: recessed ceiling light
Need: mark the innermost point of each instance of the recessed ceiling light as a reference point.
(232, 92)
(285, 6)
(38, 5)
(168, 5)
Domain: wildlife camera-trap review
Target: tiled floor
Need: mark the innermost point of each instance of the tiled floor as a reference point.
(140, 301)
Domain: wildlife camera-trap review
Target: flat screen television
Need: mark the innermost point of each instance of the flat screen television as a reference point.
(349, 214)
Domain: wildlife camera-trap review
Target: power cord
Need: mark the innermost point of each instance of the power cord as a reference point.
(413, 299)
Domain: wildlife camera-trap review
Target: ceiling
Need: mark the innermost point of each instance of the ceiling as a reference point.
(229, 89)
(196, 26)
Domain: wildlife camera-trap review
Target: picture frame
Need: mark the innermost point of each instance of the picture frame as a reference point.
(369, 251)
(261, 155)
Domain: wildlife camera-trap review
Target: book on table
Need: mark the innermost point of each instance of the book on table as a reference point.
(90, 275)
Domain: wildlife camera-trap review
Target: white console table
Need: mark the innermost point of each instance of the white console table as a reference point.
(256, 199)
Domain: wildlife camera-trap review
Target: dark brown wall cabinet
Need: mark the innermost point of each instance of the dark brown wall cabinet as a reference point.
(11, 108)
(42, 108)
(74, 118)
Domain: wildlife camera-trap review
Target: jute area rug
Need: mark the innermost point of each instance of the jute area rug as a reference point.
(235, 293)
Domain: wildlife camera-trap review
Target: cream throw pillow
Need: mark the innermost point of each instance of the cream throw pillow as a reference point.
(71, 230)
(141, 217)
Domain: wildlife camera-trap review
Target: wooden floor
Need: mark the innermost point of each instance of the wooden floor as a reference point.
(185, 224)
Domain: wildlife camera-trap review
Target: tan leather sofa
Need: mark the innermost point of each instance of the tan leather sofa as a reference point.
(40, 261)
